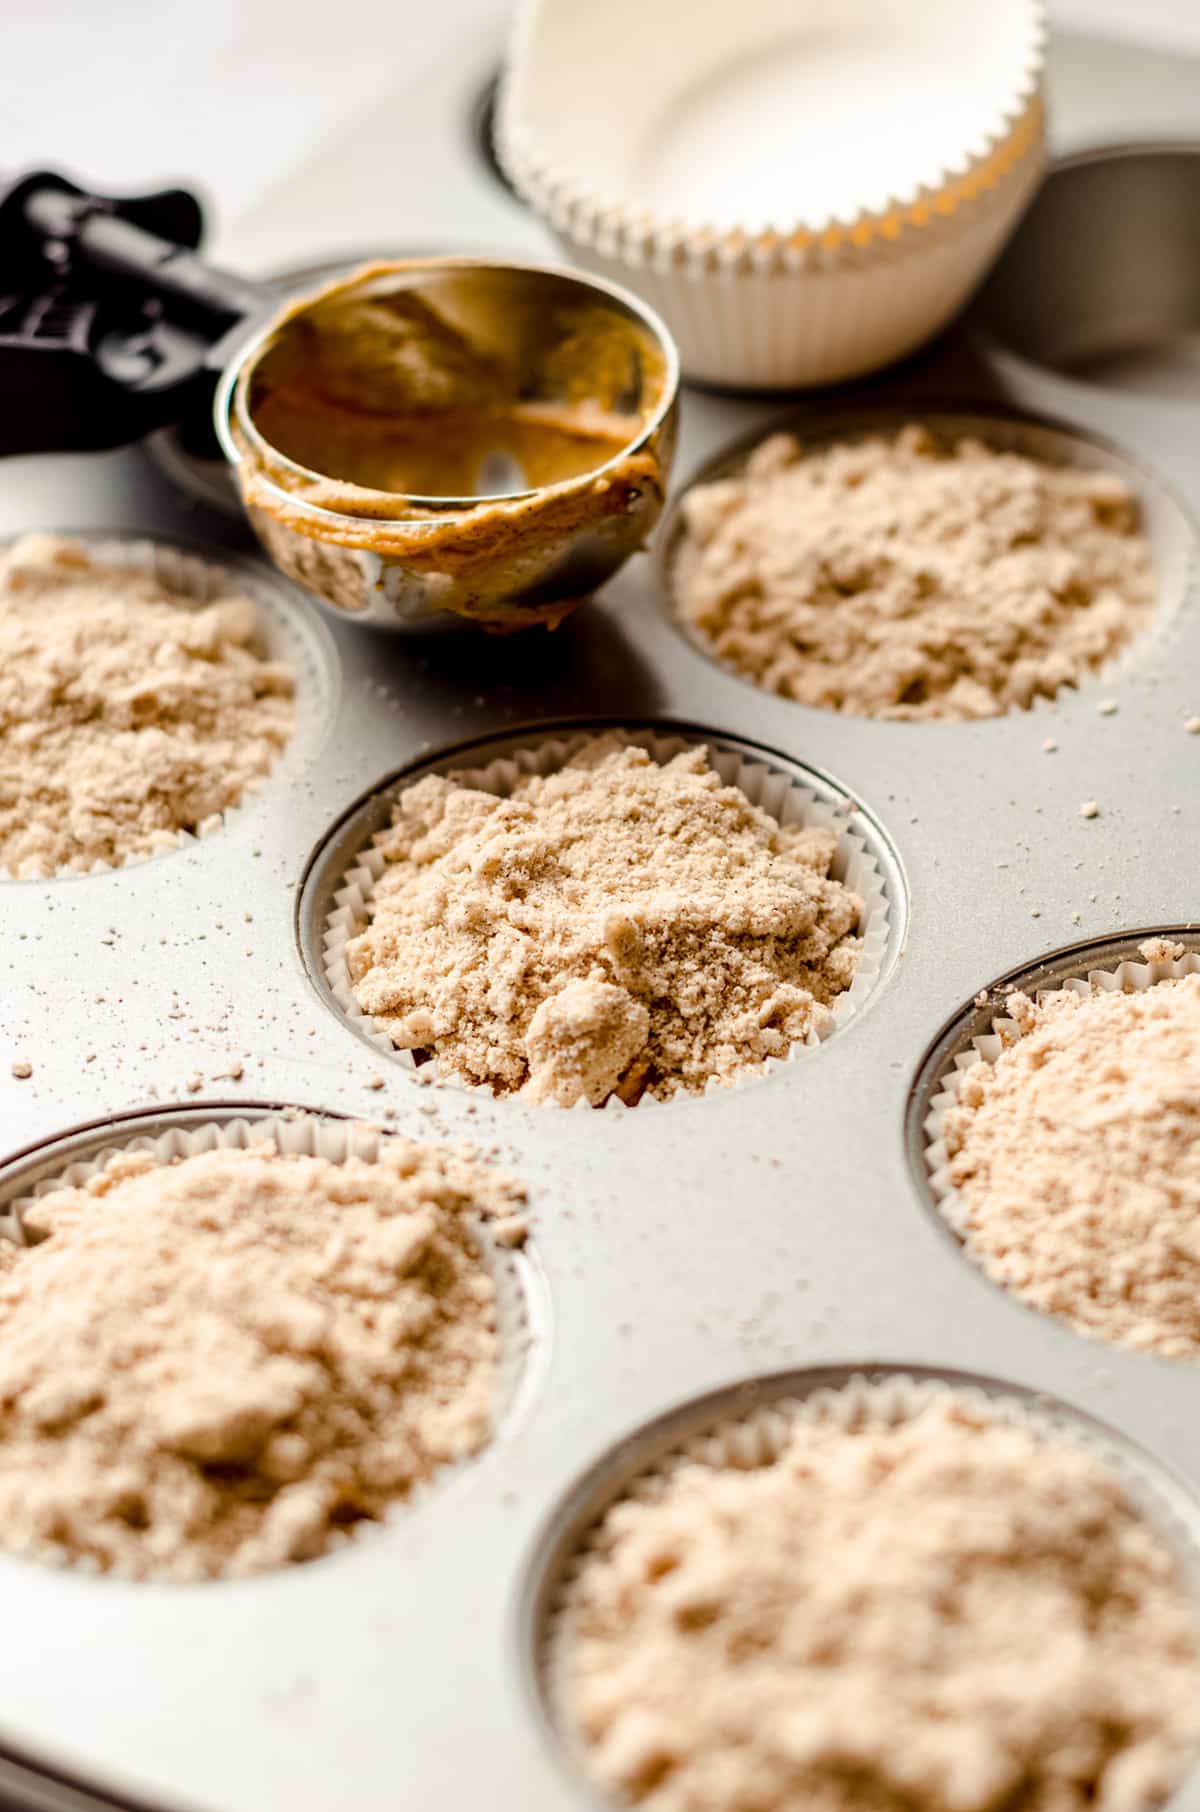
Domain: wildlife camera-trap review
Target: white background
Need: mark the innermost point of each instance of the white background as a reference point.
(228, 94)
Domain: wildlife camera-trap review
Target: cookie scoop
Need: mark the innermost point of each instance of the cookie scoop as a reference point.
(453, 439)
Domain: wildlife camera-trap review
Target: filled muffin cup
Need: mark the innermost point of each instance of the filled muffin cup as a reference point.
(197, 581)
(1031, 1231)
(167, 1139)
(1127, 977)
(776, 788)
(645, 1467)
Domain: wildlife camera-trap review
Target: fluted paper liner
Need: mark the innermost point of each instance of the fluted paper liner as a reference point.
(1128, 977)
(306, 1134)
(759, 1437)
(573, 203)
(775, 789)
(802, 302)
(199, 580)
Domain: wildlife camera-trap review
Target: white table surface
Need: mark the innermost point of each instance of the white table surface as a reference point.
(230, 95)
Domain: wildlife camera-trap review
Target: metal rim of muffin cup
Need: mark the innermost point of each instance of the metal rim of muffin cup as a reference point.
(524, 1318)
(323, 927)
(745, 1424)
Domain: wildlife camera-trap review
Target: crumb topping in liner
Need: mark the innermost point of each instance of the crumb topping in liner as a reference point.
(947, 1614)
(1075, 1160)
(130, 714)
(615, 927)
(222, 1364)
(902, 578)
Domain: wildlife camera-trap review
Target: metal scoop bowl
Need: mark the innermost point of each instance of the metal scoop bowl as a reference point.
(443, 440)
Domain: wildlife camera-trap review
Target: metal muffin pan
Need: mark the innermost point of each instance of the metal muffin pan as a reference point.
(708, 1246)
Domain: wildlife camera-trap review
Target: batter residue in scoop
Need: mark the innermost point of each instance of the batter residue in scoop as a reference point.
(399, 387)
(400, 392)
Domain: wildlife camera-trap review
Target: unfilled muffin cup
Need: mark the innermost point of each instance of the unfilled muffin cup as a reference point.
(848, 270)
(856, 1403)
(773, 788)
(295, 1133)
(282, 635)
(1127, 977)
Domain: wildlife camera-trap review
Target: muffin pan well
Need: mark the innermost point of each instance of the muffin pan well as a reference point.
(1164, 520)
(1102, 281)
(746, 1428)
(197, 574)
(335, 902)
(522, 1309)
(712, 1245)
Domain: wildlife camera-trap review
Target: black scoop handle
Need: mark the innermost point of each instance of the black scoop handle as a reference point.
(110, 324)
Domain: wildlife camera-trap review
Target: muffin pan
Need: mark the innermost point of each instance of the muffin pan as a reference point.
(762, 1240)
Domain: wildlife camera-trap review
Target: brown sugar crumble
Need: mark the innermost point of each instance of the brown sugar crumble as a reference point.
(903, 578)
(616, 927)
(129, 713)
(223, 1364)
(1161, 950)
(945, 1615)
(1075, 1161)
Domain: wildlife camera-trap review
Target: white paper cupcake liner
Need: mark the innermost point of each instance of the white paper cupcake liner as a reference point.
(776, 790)
(749, 325)
(302, 1134)
(1126, 978)
(199, 580)
(574, 203)
(759, 1437)
(801, 303)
